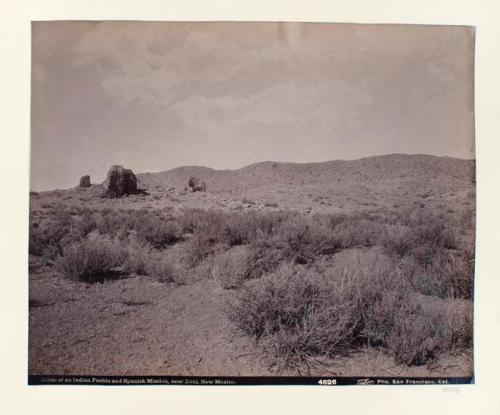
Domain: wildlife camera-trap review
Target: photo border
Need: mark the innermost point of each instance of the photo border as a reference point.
(481, 397)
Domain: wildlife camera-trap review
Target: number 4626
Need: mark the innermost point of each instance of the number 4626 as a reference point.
(328, 382)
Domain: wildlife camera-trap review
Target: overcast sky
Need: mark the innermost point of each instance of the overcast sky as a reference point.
(153, 96)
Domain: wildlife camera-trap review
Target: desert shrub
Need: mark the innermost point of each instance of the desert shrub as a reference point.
(428, 228)
(328, 221)
(295, 240)
(196, 249)
(262, 259)
(356, 232)
(86, 223)
(248, 227)
(187, 220)
(91, 259)
(397, 240)
(39, 240)
(301, 239)
(111, 223)
(414, 330)
(261, 306)
(208, 224)
(47, 239)
(237, 229)
(158, 231)
(298, 312)
(233, 228)
(211, 226)
(34, 264)
(441, 273)
(154, 227)
(436, 257)
(435, 232)
(413, 341)
(263, 225)
(273, 236)
(45, 243)
(229, 268)
(421, 333)
(159, 267)
(138, 255)
(372, 286)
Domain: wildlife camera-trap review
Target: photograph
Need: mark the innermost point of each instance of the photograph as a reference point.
(243, 202)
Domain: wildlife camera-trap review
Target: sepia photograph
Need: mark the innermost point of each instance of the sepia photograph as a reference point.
(231, 203)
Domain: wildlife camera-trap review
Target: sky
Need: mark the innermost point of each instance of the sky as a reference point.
(157, 95)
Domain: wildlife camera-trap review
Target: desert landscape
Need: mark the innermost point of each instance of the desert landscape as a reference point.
(268, 200)
(346, 268)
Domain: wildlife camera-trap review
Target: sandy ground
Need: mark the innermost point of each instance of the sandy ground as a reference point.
(138, 326)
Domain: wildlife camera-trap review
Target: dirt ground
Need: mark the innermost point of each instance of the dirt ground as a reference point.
(139, 326)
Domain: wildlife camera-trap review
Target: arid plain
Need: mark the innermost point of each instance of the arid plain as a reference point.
(353, 268)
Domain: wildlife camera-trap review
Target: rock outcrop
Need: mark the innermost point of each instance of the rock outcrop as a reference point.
(85, 181)
(120, 182)
(196, 185)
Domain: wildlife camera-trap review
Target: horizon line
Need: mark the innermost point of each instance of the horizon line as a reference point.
(272, 161)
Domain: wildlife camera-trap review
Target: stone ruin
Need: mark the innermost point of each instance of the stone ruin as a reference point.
(196, 185)
(120, 182)
(85, 181)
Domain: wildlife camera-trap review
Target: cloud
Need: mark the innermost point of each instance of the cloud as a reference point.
(286, 105)
(157, 95)
(215, 79)
(160, 68)
(159, 65)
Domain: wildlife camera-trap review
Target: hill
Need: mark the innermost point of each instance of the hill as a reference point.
(441, 170)
(337, 185)
(394, 180)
